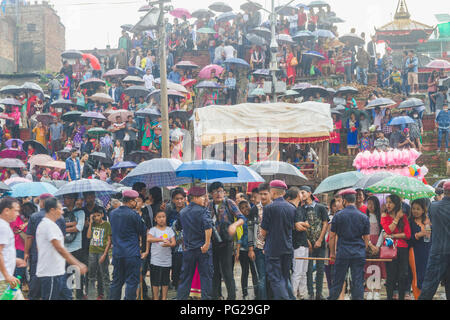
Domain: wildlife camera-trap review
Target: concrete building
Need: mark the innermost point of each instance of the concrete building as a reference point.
(32, 38)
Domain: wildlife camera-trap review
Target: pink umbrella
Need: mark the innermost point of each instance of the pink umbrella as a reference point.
(205, 73)
(438, 64)
(180, 12)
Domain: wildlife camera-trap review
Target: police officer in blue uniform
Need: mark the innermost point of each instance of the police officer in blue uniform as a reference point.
(276, 226)
(197, 225)
(352, 228)
(126, 227)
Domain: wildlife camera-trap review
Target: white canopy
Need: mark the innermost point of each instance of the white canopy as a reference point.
(217, 124)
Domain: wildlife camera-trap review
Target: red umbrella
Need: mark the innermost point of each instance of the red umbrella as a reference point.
(92, 60)
(180, 12)
(189, 82)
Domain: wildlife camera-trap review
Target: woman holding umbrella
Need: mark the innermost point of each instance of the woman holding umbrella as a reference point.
(79, 132)
(291, 65)
(352, 134)
(41, 134)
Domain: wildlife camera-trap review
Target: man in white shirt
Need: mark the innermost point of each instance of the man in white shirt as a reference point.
(149, 80)
(9, 211)
(219, 54)
(52, 255)
(230, 51)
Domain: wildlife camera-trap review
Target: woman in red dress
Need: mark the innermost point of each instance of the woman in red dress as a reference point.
(291, 74)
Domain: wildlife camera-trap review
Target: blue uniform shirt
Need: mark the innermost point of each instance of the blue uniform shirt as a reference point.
(350, 225)
(126, 227)
(278, 221)
(195, 220)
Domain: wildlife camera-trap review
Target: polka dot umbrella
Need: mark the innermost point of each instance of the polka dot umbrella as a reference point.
(404, 187)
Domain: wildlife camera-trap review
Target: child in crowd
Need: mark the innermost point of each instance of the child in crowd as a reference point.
(365, 143)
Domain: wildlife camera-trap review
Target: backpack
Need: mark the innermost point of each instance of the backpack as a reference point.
(223, 226)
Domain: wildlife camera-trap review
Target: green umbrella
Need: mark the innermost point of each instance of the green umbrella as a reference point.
(339, 181)
(404, 187)
(97, 132)
(258, 92)
(206, 30)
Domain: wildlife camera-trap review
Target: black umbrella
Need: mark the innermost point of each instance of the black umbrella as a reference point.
(202, 13)
(262, 32)
(311, 91)
(64, 154)
(286, 10)
(101, 157)
(148, 112)
(137, 156)
(181, 114)
(63, 103)
(251, 6)
(71, 116)
(353, 39)
(411, 103)
(220, 7)
(72, 54)
(137, 91)
(255, 39)
(38, 148)
(92, 81)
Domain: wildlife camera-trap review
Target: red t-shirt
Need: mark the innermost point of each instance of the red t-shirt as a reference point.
(386, 221)
(363, 209)
(302, 19)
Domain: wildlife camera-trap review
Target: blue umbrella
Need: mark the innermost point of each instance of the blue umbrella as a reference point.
(124, 165)
(226, 16)
(398, 121)
(245, 175)
(208, 85)
(237, 61)
(156, 173)
(314, 54)
(32, 189)
(206, 170)
(86, 185)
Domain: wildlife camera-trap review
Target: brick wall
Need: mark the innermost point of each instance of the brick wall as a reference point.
(7, 64)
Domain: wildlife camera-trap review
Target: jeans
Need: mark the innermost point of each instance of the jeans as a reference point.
(443, 133)
(386, 79)
(54, 95)
(94, 267)
(20, 271)
(341, 267)
(438, 268)
(278, 269)
(300, 267)
(211, 54)
(222, 262)
(247, 264)
(405, 85)
(177, 260)
(34, 285)
(261, 268)
(397, 272)
(348, 74)
(334, 148)
(55, 288)
(360, 70)
(432, 103)
(316, 253)
(126, 271)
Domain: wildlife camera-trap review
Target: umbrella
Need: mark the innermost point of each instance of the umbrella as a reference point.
(262, 32)
(353, 39)
(347, 90)
(38, 147)
(181, 114)
(186, 65)
(156, 94)
(72, 54)
(124, 165)
(32, 189)
(137, 156)
(120, 187)
(206, 169)
(301, 86)
(331, 91)
(226, 16)
(55, 164)
(284, 39)
(404, 187)
(11, 89)
(340, 108)
(339, 181)
(438, 64)
(148, 112)
(59, 183)
(13, 154)
(93, 60)
(440, 183)
(202, 13)
(16, 180)
(10, 141)
(5, 116)
(45, 118)
(206, 30)
(123, 114)
(336, 112)
(255, 39)
(93, 115)
(10, 102)
(318, 4)
(411, 103)
(101, 98)
(32, 87)
(97, 132)
(312, 90)
(291, 93)
(398, 121)
(271, 170)
(177, 87)
(335, 20)
(285, 10)
(262, 72)
(205, 73)
(4, 187)
(380, 102)
(133, 80)
(314, 54)
(208, 84)
(63, 103)
(100, 156)
(180, 13)
(245, 175)
(12, 163)
(128, 27)
(189, 82)
(85, 185)
(370, 179)
(64, 154)
(94, 81)
(39, 160)
(135, 71)
(303, 35)
(71, 116)
(258, 92)
(156, 173)
(116, 73)
(144, 8)
(220, 7)
(321, 33)
(251, 6)
(237, 61)
(136, 91)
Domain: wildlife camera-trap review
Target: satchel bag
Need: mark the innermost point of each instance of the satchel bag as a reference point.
(294, 62)
(388, 252)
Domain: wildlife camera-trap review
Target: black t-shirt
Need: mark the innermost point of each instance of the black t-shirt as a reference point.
(299, 238)
(316, 216)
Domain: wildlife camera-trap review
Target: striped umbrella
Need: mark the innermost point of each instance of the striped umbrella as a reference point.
(85, 185)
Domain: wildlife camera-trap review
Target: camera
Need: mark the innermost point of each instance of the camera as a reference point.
(274, 46)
